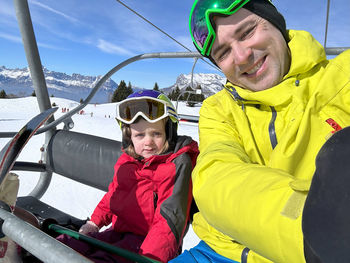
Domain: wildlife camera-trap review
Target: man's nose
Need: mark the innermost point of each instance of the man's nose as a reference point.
(241, 53)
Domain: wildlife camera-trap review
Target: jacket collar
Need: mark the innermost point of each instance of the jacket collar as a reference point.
(306, 53)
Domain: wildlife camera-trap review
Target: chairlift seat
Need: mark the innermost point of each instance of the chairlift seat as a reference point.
(81, 157)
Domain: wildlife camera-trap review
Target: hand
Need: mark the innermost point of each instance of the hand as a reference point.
(89, 227)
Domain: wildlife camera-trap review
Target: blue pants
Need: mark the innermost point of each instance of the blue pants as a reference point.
(201, 253)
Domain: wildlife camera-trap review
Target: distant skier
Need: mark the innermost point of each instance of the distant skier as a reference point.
(149, 199)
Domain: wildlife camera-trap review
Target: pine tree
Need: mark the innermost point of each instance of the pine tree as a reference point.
(121, 92)
(156, 87)
(171, 95)
(174, 94)
(3, 94)
(177, 93)
(129, 89)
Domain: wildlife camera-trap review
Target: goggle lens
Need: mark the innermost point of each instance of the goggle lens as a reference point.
(148, 108)
(201, 29)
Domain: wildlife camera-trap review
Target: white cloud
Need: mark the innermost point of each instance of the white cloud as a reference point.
(11, 37)
(134, 32)
(108, 47)
(48, 46)
(70, 18)
(17, 39)
(7, 9)
(185, 40)
(8, 19)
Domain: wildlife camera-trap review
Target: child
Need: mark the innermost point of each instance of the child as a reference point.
(149, 199)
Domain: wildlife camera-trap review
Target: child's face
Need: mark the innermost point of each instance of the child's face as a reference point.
(148, 138)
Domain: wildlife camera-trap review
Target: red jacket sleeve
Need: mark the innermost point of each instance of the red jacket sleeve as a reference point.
(172, 213)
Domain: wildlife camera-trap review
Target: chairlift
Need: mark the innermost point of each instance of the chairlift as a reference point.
(84, 158)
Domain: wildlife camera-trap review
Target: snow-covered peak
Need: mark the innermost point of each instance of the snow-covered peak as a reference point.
(210, 83)
(14, 73)
(74, 87)
(77, 86)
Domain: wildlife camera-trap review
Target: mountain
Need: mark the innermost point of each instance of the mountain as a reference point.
(73, 87)
(210, 83)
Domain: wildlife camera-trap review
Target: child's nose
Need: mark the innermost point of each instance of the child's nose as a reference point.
(148, 140)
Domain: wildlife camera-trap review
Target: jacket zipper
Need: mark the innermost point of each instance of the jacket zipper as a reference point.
(272, 129)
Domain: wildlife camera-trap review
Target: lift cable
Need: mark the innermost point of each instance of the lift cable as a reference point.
(149, 22)
(326, 30)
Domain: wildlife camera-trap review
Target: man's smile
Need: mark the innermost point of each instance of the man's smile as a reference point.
(255, 69)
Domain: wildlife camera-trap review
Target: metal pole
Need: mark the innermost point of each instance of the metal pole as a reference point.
(38, 78)
(32, 53)
(38, 243)
(335, 50)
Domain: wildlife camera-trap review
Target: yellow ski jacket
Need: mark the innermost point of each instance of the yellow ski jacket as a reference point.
(257, 155)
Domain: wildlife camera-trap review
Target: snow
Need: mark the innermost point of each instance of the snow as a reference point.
(69, 82)
(67, 195)
(17, 73)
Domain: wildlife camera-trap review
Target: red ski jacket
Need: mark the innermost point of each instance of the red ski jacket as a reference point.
(151, 198)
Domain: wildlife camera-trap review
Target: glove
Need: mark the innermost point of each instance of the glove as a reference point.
(89, 227)
(8, 194)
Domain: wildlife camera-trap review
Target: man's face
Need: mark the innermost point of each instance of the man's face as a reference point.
(250, 51)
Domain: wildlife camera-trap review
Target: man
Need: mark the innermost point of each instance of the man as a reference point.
(259, 138)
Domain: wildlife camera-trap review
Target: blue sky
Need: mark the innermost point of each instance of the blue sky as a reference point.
(92, 36)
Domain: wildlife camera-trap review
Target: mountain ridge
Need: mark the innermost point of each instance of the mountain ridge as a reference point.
(76, 86)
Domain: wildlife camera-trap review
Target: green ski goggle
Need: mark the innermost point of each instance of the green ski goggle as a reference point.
(202, 31)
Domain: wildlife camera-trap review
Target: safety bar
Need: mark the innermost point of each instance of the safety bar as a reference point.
(335, 50)
(29, 166)
(39, 244)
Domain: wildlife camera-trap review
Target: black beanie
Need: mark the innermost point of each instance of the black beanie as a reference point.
(268, 11)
